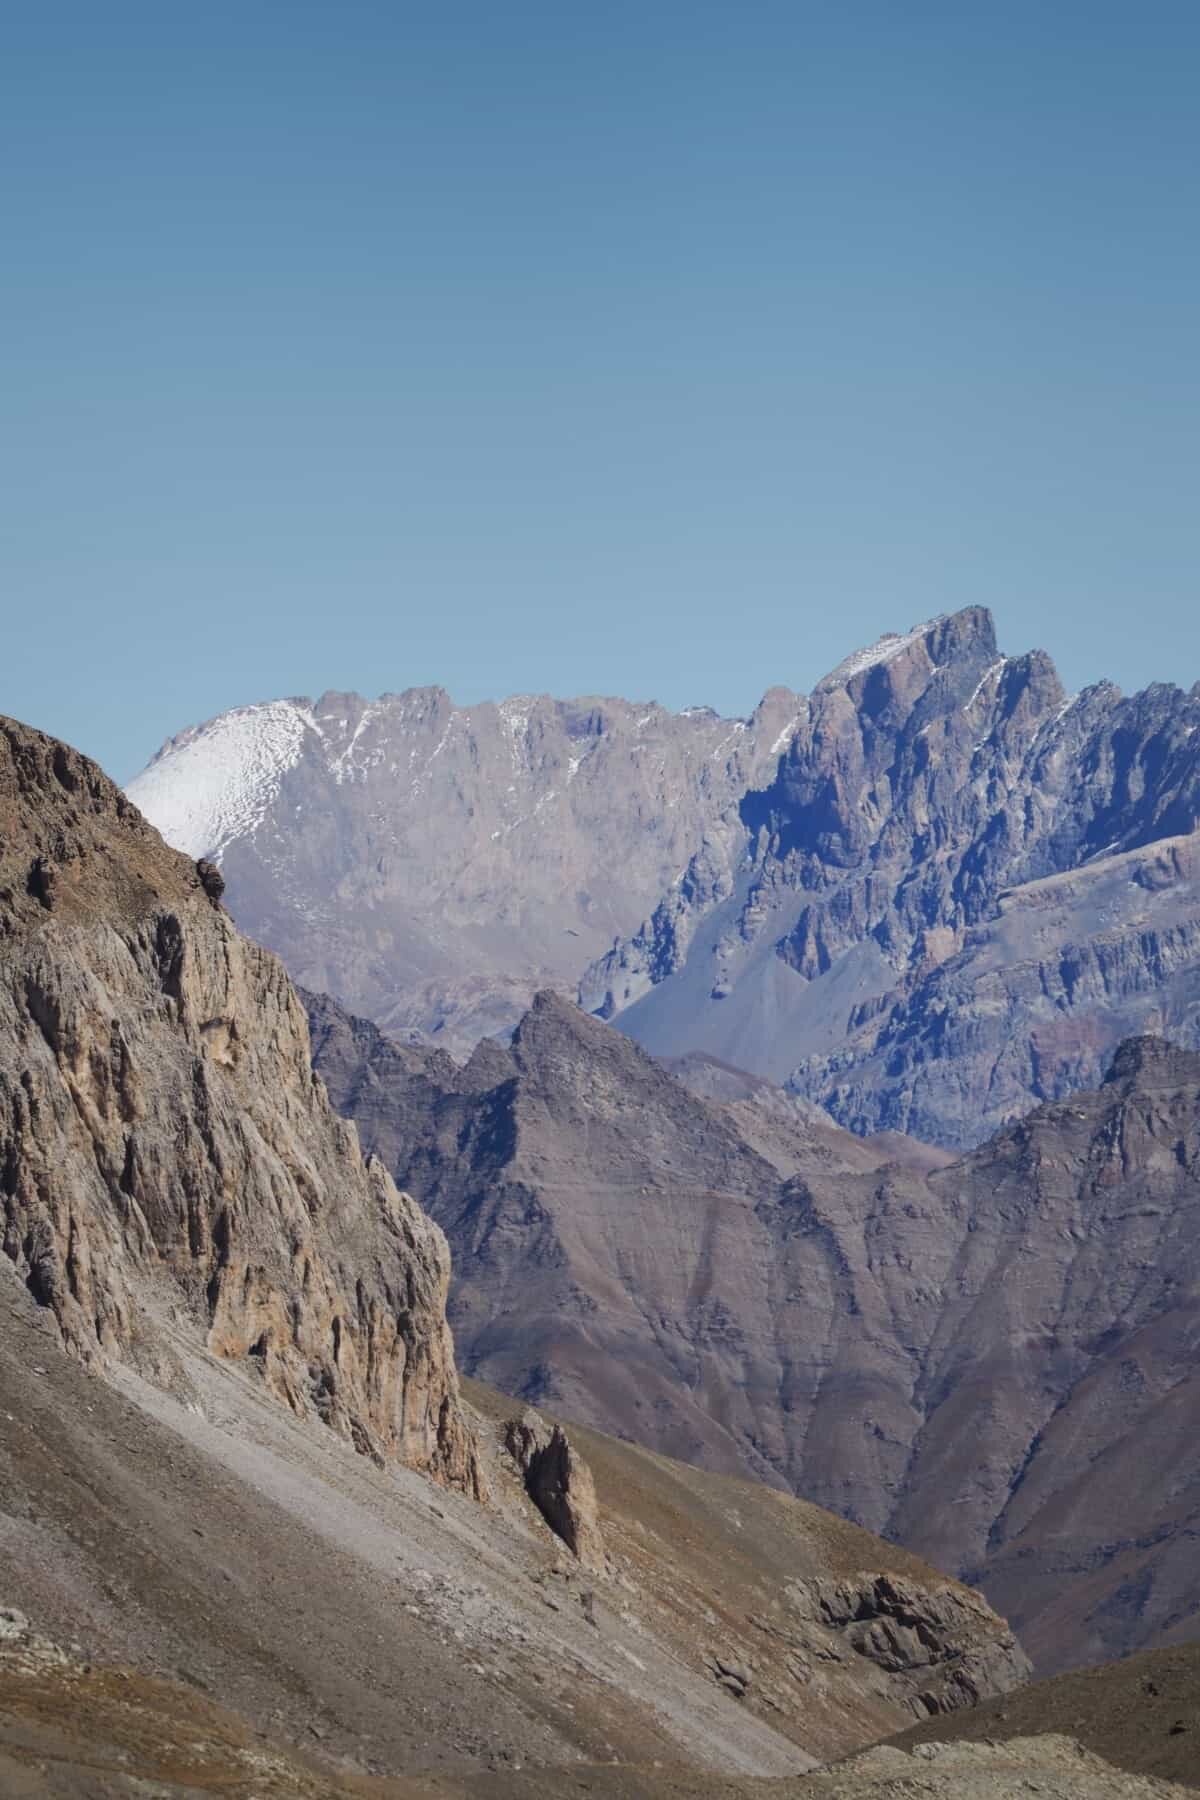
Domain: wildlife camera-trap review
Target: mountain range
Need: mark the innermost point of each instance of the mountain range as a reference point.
(262, 1536)
(823, 1192)
(928, 895)
(235, 1452)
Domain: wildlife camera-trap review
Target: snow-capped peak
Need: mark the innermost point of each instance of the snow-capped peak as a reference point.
(215, 783)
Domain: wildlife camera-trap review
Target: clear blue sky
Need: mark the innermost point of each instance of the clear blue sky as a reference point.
(665, 349)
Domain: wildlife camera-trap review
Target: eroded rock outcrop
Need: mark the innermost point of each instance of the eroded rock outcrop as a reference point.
(559, 1483)
(168, 1160)
(946, 1642)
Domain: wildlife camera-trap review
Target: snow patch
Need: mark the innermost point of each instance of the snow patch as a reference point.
(216, 783)
(786, 735)
(738, 725)
(1064, 709)
(514, 714)
(883, 650)
(421, 779)
(342, 767)
(983, 681)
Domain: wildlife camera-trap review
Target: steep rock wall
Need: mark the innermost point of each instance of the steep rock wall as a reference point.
(167, 1156)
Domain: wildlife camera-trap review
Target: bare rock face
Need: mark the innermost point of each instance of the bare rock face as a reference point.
(168, 1160)
(559, 1483)
(937, 1648)
(972, 1357)
(945, 1641)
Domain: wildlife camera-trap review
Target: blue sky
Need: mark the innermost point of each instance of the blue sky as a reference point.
(662, 349)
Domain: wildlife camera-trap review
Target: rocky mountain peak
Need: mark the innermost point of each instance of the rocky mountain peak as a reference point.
(933, 924)
(550, 1008)
(900, 662)
(489, 1063)
(574, 1073)
(970, 632)
(555, 1023)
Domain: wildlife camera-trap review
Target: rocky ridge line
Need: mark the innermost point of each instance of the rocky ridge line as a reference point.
(168, 1160)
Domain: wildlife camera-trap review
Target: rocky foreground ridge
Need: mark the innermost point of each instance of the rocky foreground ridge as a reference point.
(978, 1358)
(168, 1162)
(87, 1730)
(931, 893)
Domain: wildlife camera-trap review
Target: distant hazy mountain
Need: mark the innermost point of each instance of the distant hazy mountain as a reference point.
(435, 865)
(930, 894)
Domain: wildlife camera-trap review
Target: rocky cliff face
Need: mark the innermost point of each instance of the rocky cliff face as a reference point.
(168, 1162)
(1034, 1005)
(847, 891)
(940, 1639)
(975, 1358)
(960, 891)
